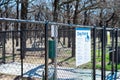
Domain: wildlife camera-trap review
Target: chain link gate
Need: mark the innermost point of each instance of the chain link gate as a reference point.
(28, 50)
(107, 52)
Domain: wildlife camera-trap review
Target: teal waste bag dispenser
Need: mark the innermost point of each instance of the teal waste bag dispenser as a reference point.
(51, 49)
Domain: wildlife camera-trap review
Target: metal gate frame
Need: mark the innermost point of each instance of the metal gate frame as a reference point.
(114, 50)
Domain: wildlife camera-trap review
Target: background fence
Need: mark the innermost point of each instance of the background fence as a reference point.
(26, 53)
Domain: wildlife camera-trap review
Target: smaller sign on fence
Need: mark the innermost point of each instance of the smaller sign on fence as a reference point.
(54, 31)
(83, 46)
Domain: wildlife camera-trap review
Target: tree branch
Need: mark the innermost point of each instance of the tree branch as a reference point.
(93, 6)
(4, 2)
(67, 2)
(110, 17)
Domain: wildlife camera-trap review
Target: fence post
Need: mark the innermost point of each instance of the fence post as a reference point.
(13, 54)
(116, 52)
(3, 44)
(94, 53)
(21, 52)
(103, 53)
(116, 49)
(113, 52)
(56, 44)
(46, 51)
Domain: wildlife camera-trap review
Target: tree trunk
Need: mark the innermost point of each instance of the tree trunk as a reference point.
(68, 29)
(75, 18)
(16, 25)
(85, 18)
(63, 32)
(56, 8)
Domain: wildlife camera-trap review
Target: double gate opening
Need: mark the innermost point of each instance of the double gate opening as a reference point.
(26, 53)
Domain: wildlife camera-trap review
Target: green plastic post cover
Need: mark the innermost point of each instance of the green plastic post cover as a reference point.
(51, 49)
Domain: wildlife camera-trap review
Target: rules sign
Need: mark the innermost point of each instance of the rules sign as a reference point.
(83, 46)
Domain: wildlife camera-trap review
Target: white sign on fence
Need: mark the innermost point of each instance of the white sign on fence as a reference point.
(83, 46)
(54, 32)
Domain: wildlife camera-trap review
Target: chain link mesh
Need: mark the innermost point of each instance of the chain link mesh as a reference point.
(33, 54)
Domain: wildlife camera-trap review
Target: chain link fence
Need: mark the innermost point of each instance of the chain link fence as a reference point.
(12, 59)
(46, 51)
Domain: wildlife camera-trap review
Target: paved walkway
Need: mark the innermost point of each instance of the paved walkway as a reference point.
(63, 73)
